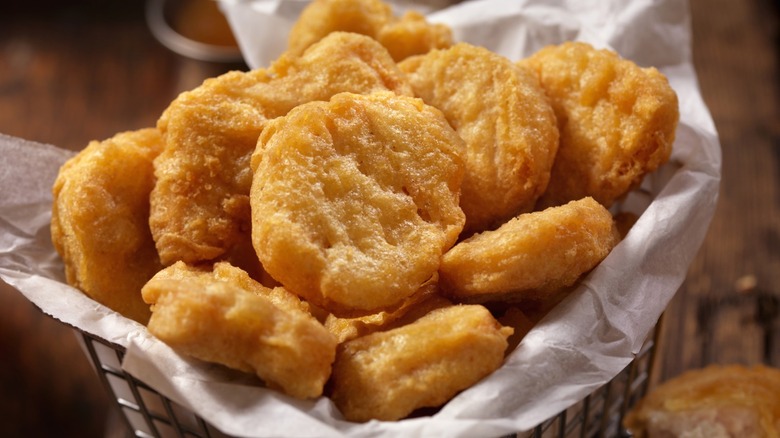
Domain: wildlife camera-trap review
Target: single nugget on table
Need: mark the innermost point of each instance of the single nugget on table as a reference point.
(403, 36)
(503, 115)
(532, 256)
(716, 401)
(223, 316)
(387, 375)
(355, 200)
(200, 205)
(617, 121)
(100, 220)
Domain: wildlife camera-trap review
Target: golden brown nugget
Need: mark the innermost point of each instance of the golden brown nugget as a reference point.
(100, 220)
(531, 255)
(506, 121)
(617, 121)
(354, 200)
(220, 318)
(412, 34)
(408, 35)
(420, 303)
(387, 375)
(716, 401)
(224, 271)
(200, 206)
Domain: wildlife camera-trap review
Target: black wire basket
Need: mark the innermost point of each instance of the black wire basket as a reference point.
(147, 413)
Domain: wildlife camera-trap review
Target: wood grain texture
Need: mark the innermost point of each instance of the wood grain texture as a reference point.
(727, 311)
(79, 71)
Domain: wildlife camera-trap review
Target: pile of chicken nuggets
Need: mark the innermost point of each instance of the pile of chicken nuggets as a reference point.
(377, 217)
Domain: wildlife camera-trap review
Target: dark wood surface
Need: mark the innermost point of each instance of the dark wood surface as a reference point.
(728, 310)
(89, 69)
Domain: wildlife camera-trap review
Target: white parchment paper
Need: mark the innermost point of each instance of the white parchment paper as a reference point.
(588, 339)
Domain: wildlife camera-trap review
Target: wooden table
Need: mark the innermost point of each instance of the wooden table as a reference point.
(728, 310)
(89, 69)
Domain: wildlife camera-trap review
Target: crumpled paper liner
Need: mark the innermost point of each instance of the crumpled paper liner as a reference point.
(582, 344)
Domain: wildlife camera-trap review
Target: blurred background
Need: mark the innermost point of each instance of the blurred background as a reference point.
(75, 71)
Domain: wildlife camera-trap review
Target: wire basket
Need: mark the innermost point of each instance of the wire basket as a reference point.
(147, 413)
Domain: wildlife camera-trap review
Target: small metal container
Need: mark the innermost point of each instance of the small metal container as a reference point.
(161, 17)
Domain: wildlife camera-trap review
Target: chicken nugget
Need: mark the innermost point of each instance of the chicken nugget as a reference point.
(354, 200)
(506, 121)
(408, 35)
(224, 317)
(228, 273)
(617, 121)
(100, 220)
(417, 305)
(387, 375)
(534, 255)
(716, 401)
(412, 34)
(199, 205)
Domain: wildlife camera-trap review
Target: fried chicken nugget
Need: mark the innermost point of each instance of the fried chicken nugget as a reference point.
(225, 317)
(508, 125)
(716, 401)
(199, 205)
(531, 256)
(417, 305)
(617, 121)
(224, 271)
(408, 35)
(100, 220)
(413, 35)
(387, 375)
(354, 200)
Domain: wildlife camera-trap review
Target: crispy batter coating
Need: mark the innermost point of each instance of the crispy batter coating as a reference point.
(417, 305)
(716, 401)
(199, 205)
(226, 272)
(225, 317)
(506, 121)
(531, 256)
(354, 200)
(100, 220)
(617, 121)
(408, 35)
(412, 35)
(387, 375)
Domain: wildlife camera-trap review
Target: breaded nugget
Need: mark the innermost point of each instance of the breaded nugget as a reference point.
(224, 317)
(354, 200)
(387, 375)
(408, 35)
(506, 121)
(716, 401)
(100, 220)
(531, 256)
(200, 207)
(322, 17)
(413, 35)
(417, 305)
(228, 273)
(617, 121)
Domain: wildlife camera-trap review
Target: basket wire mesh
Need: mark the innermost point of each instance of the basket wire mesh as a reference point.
(147, 413)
